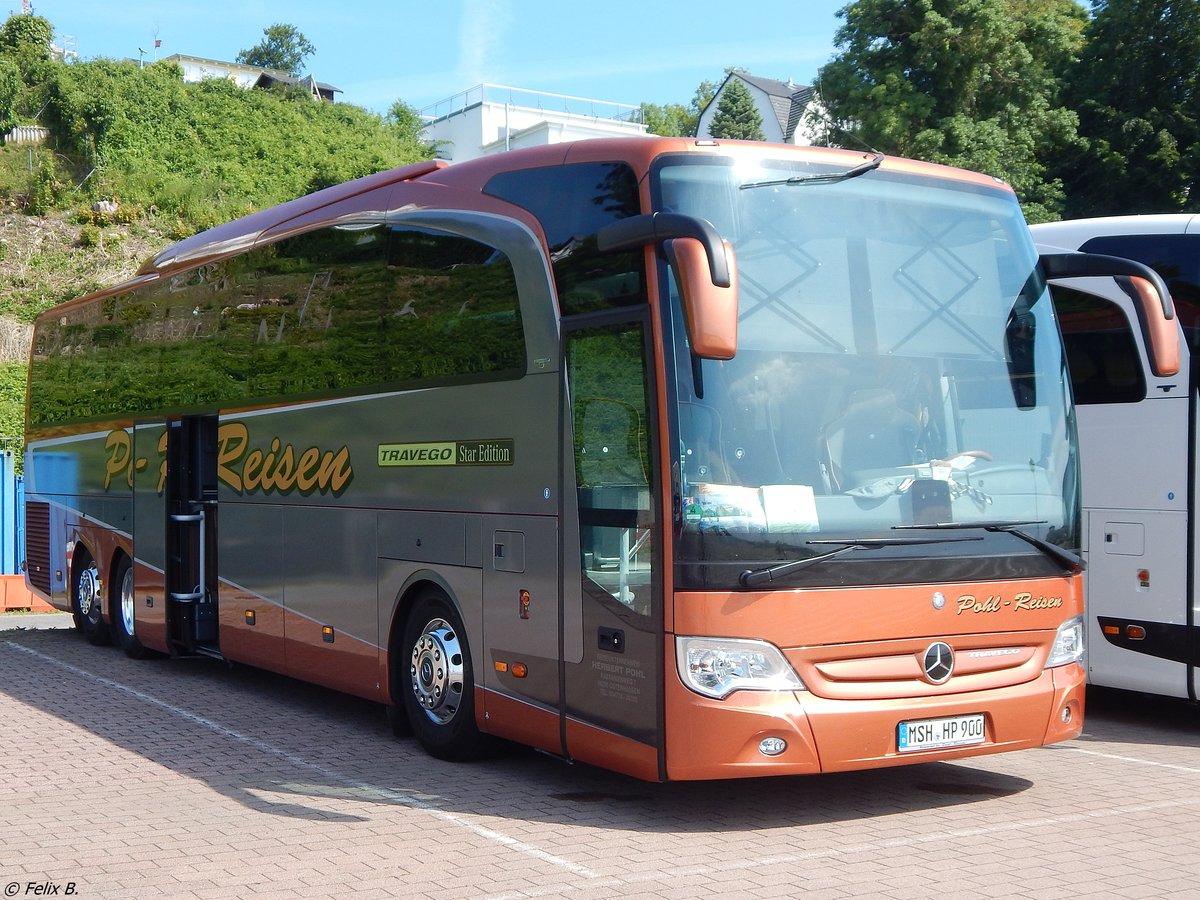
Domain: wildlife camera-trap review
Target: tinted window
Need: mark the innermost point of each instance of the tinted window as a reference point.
(1102, 354)
(572, 203)
(1176, 257)
(324, 313)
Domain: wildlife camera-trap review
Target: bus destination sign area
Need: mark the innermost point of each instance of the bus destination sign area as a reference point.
(448, 453)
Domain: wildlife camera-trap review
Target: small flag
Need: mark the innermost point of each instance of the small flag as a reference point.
(157, 44)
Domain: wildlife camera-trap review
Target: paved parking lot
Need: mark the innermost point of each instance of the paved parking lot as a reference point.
(186, 778)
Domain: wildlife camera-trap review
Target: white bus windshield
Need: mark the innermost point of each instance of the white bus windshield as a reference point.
(898, 365)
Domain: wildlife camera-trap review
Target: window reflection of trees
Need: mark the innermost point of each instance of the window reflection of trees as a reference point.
(327, 312)
(572, 203)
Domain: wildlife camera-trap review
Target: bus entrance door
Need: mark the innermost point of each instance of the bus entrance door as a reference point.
(613, 676)
(191, 511)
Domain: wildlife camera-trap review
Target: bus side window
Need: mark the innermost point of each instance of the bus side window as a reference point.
(607, 375)
(573, 202)
(1102, 354)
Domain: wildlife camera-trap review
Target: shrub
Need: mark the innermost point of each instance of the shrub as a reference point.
(44, 195)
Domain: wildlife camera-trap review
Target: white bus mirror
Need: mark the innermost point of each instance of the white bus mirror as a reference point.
(710, 310)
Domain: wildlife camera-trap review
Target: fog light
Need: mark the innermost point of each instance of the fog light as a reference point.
(772, 746)
(1065, 715)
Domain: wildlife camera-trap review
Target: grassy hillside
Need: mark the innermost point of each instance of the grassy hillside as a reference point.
(205, 153)
(165, 159)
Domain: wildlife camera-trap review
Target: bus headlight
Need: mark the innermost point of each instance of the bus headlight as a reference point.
(716, 667)
(1068, 643)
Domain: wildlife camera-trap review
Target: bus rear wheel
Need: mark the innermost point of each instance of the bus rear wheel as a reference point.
(123, 612)
(435, 678)
(87, 601)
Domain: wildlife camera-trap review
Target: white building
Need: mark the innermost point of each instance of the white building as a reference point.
(197, 68)
(490, 118)
(781, 104)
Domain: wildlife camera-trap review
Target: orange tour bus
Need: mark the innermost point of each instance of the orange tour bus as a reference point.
(684, 458)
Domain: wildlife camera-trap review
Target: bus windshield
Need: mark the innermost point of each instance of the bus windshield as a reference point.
(899, 374)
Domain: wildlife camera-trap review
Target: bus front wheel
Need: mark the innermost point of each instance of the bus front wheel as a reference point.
(87, 602)
(436, 681)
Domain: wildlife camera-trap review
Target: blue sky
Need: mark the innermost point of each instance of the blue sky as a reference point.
(625, 51)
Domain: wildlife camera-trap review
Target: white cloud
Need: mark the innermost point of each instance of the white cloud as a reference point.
(481, 34)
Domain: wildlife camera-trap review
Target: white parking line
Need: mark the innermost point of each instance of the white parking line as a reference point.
(623, 884)
(1191, 770)
(396, 797)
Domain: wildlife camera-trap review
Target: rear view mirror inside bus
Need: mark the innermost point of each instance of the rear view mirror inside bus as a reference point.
(710, 310)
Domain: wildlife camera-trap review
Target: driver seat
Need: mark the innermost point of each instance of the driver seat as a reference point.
(872, 433)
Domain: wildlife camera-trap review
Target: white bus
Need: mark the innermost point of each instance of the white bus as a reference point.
(1135, 388)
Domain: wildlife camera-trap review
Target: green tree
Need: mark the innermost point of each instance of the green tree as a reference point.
(405, 119)
(12, 403)
(11, 85)
(705, 91)
(972, 83)
(26, 37)
(405, 122)
(669, 120)
(283, 47)
(1137, 89)
(675, 119)
(737, 118)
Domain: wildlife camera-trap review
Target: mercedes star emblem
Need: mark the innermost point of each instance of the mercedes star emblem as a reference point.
(938, 663)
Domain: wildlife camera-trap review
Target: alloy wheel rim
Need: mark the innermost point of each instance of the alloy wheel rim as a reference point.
(89, 594)
(436, 671)
(127, 601)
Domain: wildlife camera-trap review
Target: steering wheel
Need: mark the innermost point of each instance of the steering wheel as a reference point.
(961, 454)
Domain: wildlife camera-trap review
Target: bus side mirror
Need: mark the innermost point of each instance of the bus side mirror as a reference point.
(1160, 333)
(1151, 300)
(710, 310)
(704, 268)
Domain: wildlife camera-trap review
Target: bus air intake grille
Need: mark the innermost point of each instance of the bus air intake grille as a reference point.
(37, 544)
(890, 675)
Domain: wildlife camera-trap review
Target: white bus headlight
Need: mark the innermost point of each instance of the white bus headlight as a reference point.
(716, 667)
(1068, 643)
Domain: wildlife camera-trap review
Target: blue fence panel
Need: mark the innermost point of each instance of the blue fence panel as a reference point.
(12, 516)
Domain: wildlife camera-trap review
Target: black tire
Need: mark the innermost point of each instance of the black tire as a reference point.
(87, 600)
(397, 718)
(433, 675)
(122, 616)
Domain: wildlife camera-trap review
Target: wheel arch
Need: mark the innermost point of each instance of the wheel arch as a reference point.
(78, 543)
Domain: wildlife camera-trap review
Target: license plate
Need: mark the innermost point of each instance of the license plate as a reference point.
(932, 734)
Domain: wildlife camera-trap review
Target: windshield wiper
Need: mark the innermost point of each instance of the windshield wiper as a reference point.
(1065, 558)
(820, 177)
(752, 577)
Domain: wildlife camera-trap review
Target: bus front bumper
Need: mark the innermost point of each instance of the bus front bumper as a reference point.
(754, 733)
